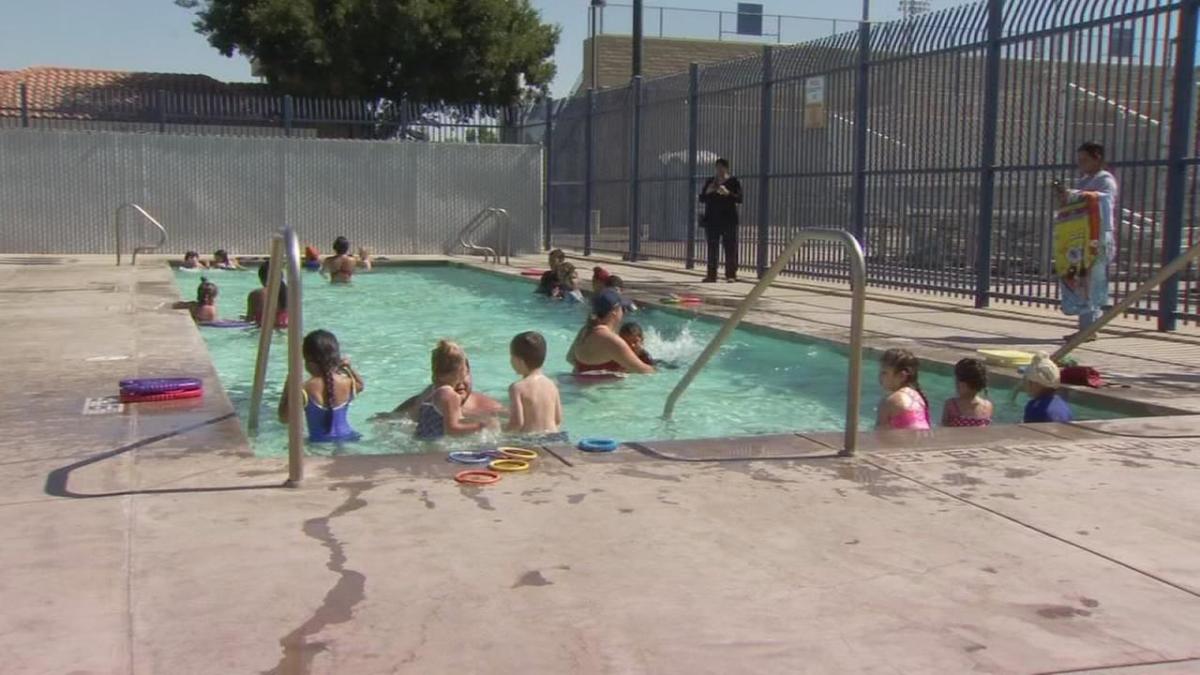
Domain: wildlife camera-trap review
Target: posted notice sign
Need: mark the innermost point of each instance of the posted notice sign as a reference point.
(814, 103)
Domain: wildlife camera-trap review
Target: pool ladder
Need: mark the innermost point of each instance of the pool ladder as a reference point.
(285, 246)
(473, 225)
(162, 232)
(858, 286)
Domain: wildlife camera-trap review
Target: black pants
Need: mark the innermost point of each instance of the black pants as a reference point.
(715, 236)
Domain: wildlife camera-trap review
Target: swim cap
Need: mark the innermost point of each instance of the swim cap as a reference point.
(1043, 372)
(604, 302)
(600, 274)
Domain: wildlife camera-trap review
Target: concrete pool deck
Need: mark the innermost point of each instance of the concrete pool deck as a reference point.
(150, 541)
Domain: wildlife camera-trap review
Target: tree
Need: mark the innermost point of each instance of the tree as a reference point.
(456, 51)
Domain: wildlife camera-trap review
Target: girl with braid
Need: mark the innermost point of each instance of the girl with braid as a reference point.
(904, 405)
(328, 392)
(204, 310)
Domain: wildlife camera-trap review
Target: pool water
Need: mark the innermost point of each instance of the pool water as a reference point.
(388, 321)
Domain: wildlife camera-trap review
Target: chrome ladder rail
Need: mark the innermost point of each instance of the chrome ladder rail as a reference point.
(162, 232)
(858, 284)
(1166, 272)
(285, 247)
(478, 220)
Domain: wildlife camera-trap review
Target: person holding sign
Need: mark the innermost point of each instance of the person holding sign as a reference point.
(1084, 243)
(720, 196)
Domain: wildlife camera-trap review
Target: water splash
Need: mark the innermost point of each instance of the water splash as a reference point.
(681, 349)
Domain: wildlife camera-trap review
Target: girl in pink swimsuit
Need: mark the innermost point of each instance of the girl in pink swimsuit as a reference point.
(904, 406)
(969, 408)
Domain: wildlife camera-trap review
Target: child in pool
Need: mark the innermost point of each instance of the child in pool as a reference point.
(600, 277)
(618, 284)
(534, 404)
(568, 284)
(312, 258)
(365, 260)
(969, 408)
(549, 278)
(222, 261)
(631, 333)
(191, 261)
(1042, 381)
(329, 390)
(441, 414)
(205, 307)
(904, 406)
(256, 300)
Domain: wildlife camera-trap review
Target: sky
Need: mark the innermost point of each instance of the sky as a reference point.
(157, 35)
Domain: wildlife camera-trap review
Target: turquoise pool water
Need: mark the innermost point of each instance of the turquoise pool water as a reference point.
(388, 321)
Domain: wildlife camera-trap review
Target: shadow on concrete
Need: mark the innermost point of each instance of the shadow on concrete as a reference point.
(56, 480)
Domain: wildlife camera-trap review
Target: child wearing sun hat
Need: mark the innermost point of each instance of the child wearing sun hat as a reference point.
(1041, 382)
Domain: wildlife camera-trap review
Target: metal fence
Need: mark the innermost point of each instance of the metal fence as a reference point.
(61, 188)
(933, 139)
(249, 112)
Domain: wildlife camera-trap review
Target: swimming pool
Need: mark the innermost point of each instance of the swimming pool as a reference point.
(388, 321)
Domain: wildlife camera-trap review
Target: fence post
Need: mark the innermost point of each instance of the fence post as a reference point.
(987, 175)
(1177, 151)
(588, 143)
(288, 114)
(764, 162)
(635, 202)
(24, 89)
(548, 180)
(160, 110)
(693, 149)
(861, 100)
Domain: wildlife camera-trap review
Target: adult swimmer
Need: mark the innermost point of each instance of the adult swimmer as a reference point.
(341, 265)
(476, 406)
(598, 347)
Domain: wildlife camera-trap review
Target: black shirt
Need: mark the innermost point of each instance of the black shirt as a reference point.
(721, 210)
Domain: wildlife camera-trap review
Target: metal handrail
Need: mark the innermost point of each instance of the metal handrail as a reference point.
(285, 246)
(1169, 270)
(162, 232)
(479, 219)
(858, 284)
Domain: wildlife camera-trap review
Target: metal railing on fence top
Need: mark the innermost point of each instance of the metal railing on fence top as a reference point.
(933, 140)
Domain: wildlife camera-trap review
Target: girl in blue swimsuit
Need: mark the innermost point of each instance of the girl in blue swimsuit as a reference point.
(328, 392)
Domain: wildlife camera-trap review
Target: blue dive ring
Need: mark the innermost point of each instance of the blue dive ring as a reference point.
(597, 444)
(464, 457)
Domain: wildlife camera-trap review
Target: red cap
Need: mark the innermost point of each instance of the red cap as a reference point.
(600, 274)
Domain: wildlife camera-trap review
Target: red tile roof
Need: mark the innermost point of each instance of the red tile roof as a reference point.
(52, 88)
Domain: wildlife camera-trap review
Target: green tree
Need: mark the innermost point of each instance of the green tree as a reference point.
(457, 51)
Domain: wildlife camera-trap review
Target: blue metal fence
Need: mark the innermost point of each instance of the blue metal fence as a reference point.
(935, 139)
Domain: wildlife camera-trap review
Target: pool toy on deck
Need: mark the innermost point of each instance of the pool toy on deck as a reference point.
(130, 397)
(597, 445)
(159, 385)
(463, 457)
(477, 477)
(517, 453)
(509, 465)
(1008, 358)
(682, 300)
(532, 273)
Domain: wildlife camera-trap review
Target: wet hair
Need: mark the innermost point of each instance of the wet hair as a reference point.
(265, 269)
(721, 161)
(322, 350)
(614, 281)
(904, 362)
(191, 254)
(206, 292)
(557, 254)
(630, 330)
(341, 246)
(565, 271)
(530, 347)
(447, 358)
(1092, 149)
(973, 373)
(221, 255)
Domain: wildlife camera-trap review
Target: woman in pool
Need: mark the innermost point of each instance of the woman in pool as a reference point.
(341, 265)
(904, 405)
(256, 300)
(328, 391)
(204, 309)
(598, 348)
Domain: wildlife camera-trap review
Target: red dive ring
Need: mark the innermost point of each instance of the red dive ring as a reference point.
(130, 397)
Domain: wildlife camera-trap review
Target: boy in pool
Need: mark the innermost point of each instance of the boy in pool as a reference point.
(222, 261)
(1042, 381)
(631, 333)
(534, 404)
(191, 261)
